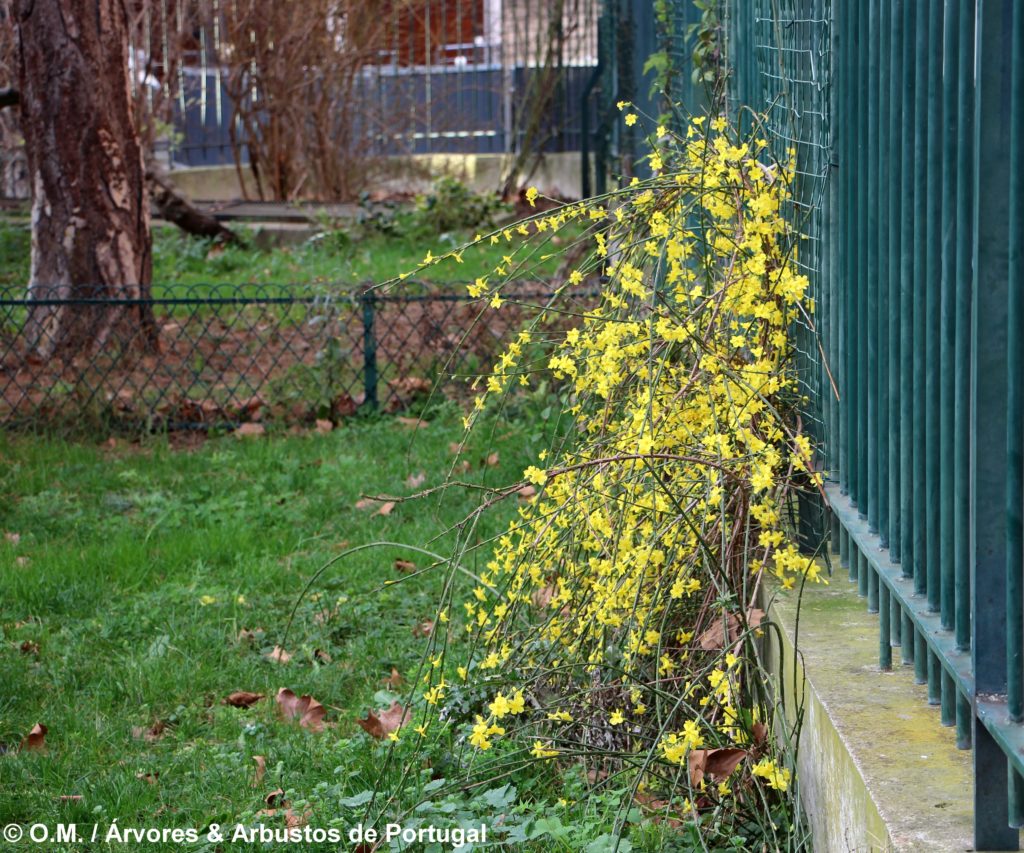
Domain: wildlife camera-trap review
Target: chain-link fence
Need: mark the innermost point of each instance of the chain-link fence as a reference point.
(227, 354)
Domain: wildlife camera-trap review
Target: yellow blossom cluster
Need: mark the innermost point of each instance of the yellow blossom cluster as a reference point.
(635, 565)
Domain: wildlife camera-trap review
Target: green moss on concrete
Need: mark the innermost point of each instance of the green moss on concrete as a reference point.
(877, 770)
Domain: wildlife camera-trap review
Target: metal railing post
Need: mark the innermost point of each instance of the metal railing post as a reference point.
(368, 300)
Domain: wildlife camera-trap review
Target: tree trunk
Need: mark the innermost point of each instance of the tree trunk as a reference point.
(90, 212)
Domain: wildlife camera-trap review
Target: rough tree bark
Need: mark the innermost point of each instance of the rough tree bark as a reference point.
(90, 212)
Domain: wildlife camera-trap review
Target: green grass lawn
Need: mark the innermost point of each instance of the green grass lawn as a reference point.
(184, 266)
(134, 578)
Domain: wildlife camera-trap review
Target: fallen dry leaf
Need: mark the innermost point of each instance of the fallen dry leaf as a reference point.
(414, 481)
(323, 425)
(325, 615)
(541, 598)
(250, 430)
(305, 709)
(151, 734)
(13, 538)
(527, 493)
(70, 798)
(320, 656)
(454, 448)
(293, 819)
(716, 763)
(21, 562)
(760, 732)
(754, 617)
(464, 466)
(386, 508)
(393, 681)
(249, 635)
(278, 655)
(384, 721)
(405, 566)
(424, 628)
(29, 648)
(493, 459)
(366, 503)
(261, 769)
(151, 778)
(714, 637)
(242, 699)
(35, 740)
(413, 423)
(275, 799)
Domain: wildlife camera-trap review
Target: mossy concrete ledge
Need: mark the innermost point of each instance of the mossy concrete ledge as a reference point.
(877, 771)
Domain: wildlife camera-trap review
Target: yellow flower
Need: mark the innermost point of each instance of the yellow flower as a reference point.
(617, 717)
(630, 119)
(535, 475)
(531, 196)
(207, 599)
(540, 751)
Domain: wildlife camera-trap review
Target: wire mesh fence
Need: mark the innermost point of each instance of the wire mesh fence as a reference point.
(227, 354)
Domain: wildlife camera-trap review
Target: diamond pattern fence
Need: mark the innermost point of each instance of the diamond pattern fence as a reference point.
(222, 355)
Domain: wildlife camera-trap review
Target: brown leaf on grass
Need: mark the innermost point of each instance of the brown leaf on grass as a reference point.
(275, 799)
(35, 740)
(411, 385)
(278, 655)
(594, 775)
(250, 430)
(393, 681)
(325, 615)
(424, 628)
(760, 733)
(13, 538)
(493, 459)
(716, 763)
(386, 507)
(261, 770)
(320, 656)
(150, 778)
(754, 617)
(414, 481)
(405, 566)
(323, 426)
(413, 423)
(384, 721)
(242, 699)
(249, 635)
(454, 447)
(293, 819)
(151, 734)
(527, 493)
(29, 647)
(21, 562)
(714, 637)
(366, 503)
(463, 466)
(305, 709)
(70, 798)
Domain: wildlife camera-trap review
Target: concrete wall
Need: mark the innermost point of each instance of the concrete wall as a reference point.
(559, 174)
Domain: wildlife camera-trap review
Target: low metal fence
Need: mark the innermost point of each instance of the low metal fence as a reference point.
(910, 117)
(220, 355)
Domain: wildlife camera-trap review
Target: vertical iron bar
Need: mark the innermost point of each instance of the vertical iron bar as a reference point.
(369, 351)
(963, 300)
(948, 712)
(893, 158)
(884, 627)
(933, 284)
(947, 311)
(882, 193)
(1015, 389)
(907, 183)
(870, 212)
(988, 428)
(919, 297)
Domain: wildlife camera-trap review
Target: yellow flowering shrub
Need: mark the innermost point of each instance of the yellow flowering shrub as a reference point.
(620, 602)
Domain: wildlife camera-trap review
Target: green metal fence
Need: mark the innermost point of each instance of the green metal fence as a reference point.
(908, 120)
